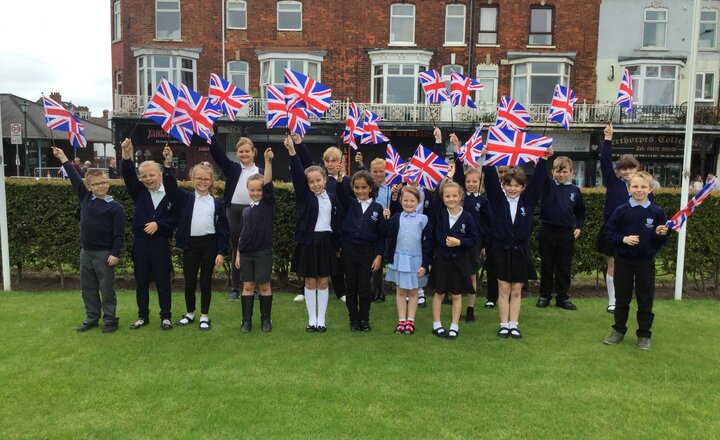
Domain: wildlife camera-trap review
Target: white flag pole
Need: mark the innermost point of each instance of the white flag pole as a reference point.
(690, 119)
(4, 247)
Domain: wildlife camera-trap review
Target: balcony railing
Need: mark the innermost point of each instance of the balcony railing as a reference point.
(592, 114)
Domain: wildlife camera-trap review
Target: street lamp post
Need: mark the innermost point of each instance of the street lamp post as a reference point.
(24, 107)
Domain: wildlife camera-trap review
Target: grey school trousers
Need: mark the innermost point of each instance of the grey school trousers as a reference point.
(95, 277)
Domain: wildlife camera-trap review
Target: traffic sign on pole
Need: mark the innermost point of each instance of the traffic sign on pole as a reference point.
(15, 134)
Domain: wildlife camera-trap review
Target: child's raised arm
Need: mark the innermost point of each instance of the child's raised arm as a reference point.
(267, 176)
(75, 179)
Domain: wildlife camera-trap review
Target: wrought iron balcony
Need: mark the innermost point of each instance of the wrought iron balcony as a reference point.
(585, 114)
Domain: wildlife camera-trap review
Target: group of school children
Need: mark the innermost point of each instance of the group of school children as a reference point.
(348, 228)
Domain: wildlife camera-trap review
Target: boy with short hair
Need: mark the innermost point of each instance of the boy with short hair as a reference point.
(153, 223)
(102, 232)
(616, 181)
(636, 231)
(562, 217)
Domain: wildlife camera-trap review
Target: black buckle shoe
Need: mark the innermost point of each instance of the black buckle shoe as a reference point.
(246, 326)
(111, 326)
(267, 326)
(85, 326)
(567, 305)
(542, 302)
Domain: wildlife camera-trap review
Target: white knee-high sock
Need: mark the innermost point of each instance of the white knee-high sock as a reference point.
(611, 289)
(322, 300)
(310, 302)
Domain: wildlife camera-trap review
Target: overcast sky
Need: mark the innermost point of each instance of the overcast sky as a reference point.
(57, 46)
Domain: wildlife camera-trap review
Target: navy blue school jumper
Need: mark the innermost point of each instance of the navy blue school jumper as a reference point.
(615, 195)
(331, 186)
(362, 240)
(562, 211)
(102, 234)
(199, 252)
(510, 239)
(478, 206)
(452, 267)
(232, 171)
(314, 255)
(635, 265)
(151, 253)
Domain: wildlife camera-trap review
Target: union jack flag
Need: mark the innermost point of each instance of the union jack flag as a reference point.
(353, 126)
(303, 91)
(426, 168)
(298, 120)
(161, 109)
(470, 152)
(678, 220)
(433, 86)
(625, 94)
(277, 114)
(460, 88)
(512, 114)
(371, 132)
(393, 166)
(227, 96)
(194, 113)
(561, 108)
(57, 118)
(508, 147)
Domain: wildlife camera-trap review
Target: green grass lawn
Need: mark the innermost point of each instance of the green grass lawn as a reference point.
(559, 381)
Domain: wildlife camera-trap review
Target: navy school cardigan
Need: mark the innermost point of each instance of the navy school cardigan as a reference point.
(307, 207)
(165, 215)
(505, 233)
(186, 202)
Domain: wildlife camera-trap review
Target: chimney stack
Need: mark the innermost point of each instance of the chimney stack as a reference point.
(56, 96)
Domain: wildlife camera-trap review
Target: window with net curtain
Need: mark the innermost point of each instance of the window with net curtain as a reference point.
(488, 77)
(455, 24)
(654, 84)
(167, 20)
(236, 12)
(534, 83)
(238, 74)
(395, 83)
(289, 16)
(541, 22)
(487, 32)
(402, 24)
(655, 28)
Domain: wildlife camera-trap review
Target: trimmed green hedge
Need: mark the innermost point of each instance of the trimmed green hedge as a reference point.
(43, 220)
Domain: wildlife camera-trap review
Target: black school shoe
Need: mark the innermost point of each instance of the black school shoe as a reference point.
(355, 327)
(85, 326)
(111, 326)
(266, 326)
(542, 302)
(567, 305)
(364, 326)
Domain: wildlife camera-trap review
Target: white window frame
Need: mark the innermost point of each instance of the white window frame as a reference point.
(493, 31)
(565, 64)
(268, 61)
(235, 6)
(147, 57)
(640, 75)
(118, 82)
(117, 21)
(646, 22)
(551, 32)
(167, 11)
(230, 71)
(454, 17)
(293, 4)
(701, 82)
(704, 24)
(420, 59)
(480, 74)
(394, 16)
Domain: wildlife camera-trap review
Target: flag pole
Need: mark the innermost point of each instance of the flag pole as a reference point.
(4, 243)
(612, 112)
(687, 154)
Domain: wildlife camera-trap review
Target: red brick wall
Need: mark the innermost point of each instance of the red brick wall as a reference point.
(347, 29)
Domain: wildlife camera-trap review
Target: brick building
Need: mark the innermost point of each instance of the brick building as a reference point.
(371, 56)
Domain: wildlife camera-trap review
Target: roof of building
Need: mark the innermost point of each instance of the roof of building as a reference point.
(36, 127)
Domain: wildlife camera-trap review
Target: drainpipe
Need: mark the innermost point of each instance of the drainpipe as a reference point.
(471, 40)
(222, 13)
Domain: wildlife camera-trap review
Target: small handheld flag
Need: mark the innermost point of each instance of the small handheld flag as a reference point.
(426, 167)
(57, 118)
(460, 88)
(393, 166)
(371, 130)
(678, 220)
(509, 147)
(433, 86)
(227, 96)
(511, 114)
(470, 152)
(562, 106)
(625, 94)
